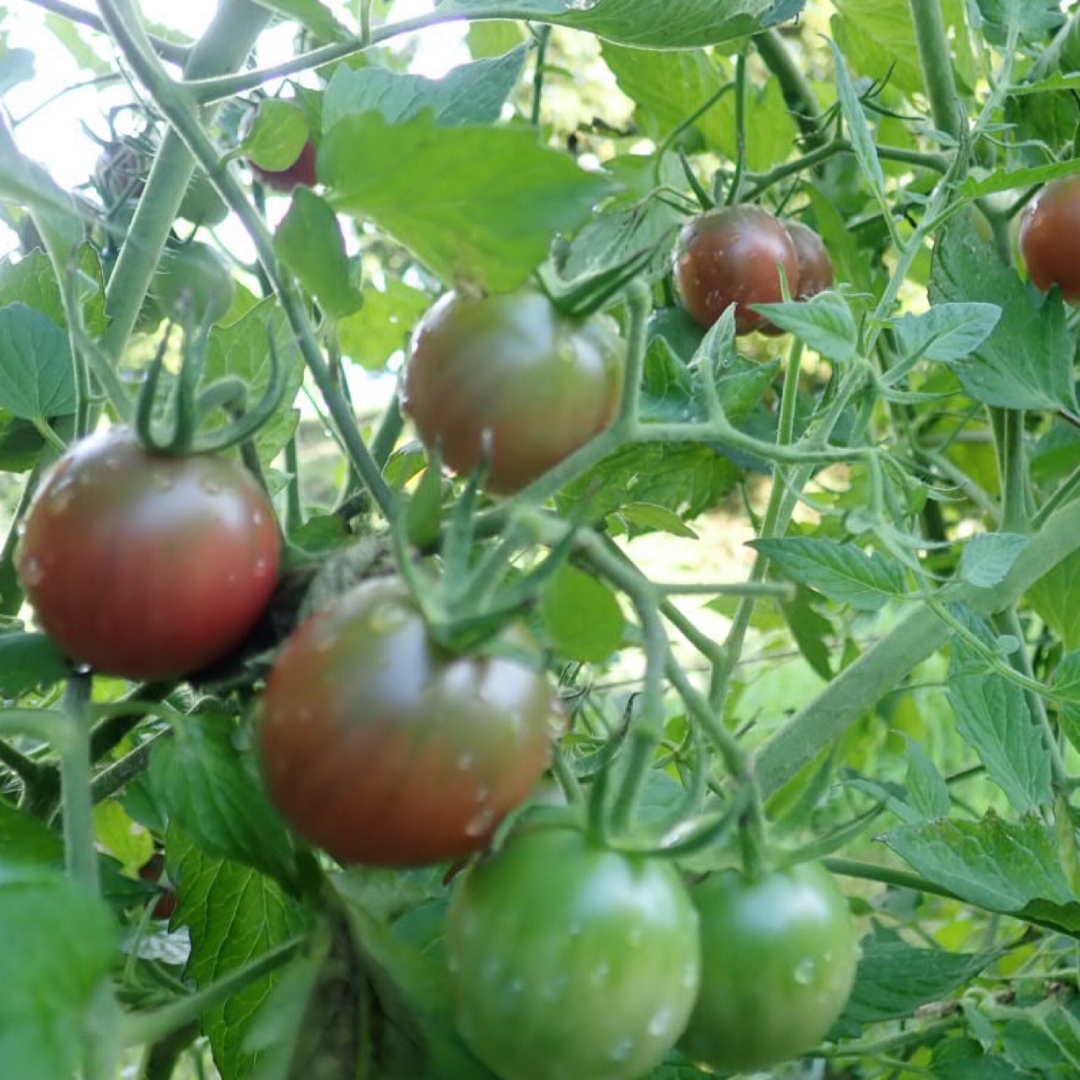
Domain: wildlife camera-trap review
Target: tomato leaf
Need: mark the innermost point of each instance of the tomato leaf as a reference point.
(468, 94)
(209, 790)
(1026, 362)
(311, 14)
(36, 379)
(1012, 868)
(842, 572)
(581, 615)
(310, 242)
(278, 135)
(947, 332)
(1066, 682)
(995, 719)
(29, 661)
(479, 204)
(59, 942)
(24, 839)
(641, 23)
(233, 916)
(1034, 20)
(894, 978)
(824, 322)
(988, 557)
(381, 328)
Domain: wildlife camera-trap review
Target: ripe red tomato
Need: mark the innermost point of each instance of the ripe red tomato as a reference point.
(145, 565)
(730, 255)
(1050, 237)
(541, 382)
(816, 272)
(778, 964)
(380, 747)
(570, 960)
(301, 173)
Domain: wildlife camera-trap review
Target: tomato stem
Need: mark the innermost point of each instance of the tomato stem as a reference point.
(933, 41)
(79, 849)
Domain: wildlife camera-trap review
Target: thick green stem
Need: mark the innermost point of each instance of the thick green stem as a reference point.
(79, 849)
(794, 85)
(937, 65)
(542, 38)
(1008, 425)
(888, 662)
(223, 48)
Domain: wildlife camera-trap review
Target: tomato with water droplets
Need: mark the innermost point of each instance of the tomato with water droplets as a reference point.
(778, 963)
(1050, 237)
(146, 565)
(571, 961)
(381, 747)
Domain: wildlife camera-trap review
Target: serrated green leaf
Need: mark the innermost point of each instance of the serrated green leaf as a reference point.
(311, 14)
(894, 978)
(468, 94)
(233, 915)
(1008, 868)
(947, 332)
(1026, 362)
(842, 572)
(29, 661)
(824, 322)
(25, 840)
(994, 717)
(127, 841)
(310, 242)
(381, 328)
(988, 557)
(927, 791)
(36, 378)
(499, 201)
(207, 786)
(581, 616)
(1066, 682)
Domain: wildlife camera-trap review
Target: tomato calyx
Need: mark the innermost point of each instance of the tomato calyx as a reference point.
(190, 407)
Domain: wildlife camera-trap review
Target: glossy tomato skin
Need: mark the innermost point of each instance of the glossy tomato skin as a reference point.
(381, 748)
(144, 565)
(816, 273)
(301, 173)
(1050, 237)
(542, 383)
(778, 964)
(569, 961)
(729, 255)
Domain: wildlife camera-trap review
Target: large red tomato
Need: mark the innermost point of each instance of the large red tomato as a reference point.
(145, 565)
(542, 383)
(380, 747)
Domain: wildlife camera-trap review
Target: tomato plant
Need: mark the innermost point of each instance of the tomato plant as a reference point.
(193, 283)
(570, 960)
(380, 747)
(540, 382)
(734, 255)
(1050, 237)
(778, 963)
(147, 566)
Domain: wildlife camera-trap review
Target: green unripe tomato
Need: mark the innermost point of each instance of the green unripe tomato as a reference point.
(193, 283)
(778, 963)
(570, 961)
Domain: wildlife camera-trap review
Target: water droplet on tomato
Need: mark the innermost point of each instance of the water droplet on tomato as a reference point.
(210, 485)
(600, 973)
(60, 497)
(633, 939)
(805, 971)
(20, 529)
(163, 481)
(31, 572)
(690, 976)
(257, 517)
(574, 929)
(480, 824)
(112, 461)
(622, 1050)
(260, 568)
(482, 793)
(386, 618)
(660, 1024)
(465, 761)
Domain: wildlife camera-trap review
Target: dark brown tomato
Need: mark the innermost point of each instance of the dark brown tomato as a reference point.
(1050, 237)
(733, 255)
(380, 747)
(542, 383)
(144, 565)
(816, 272)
